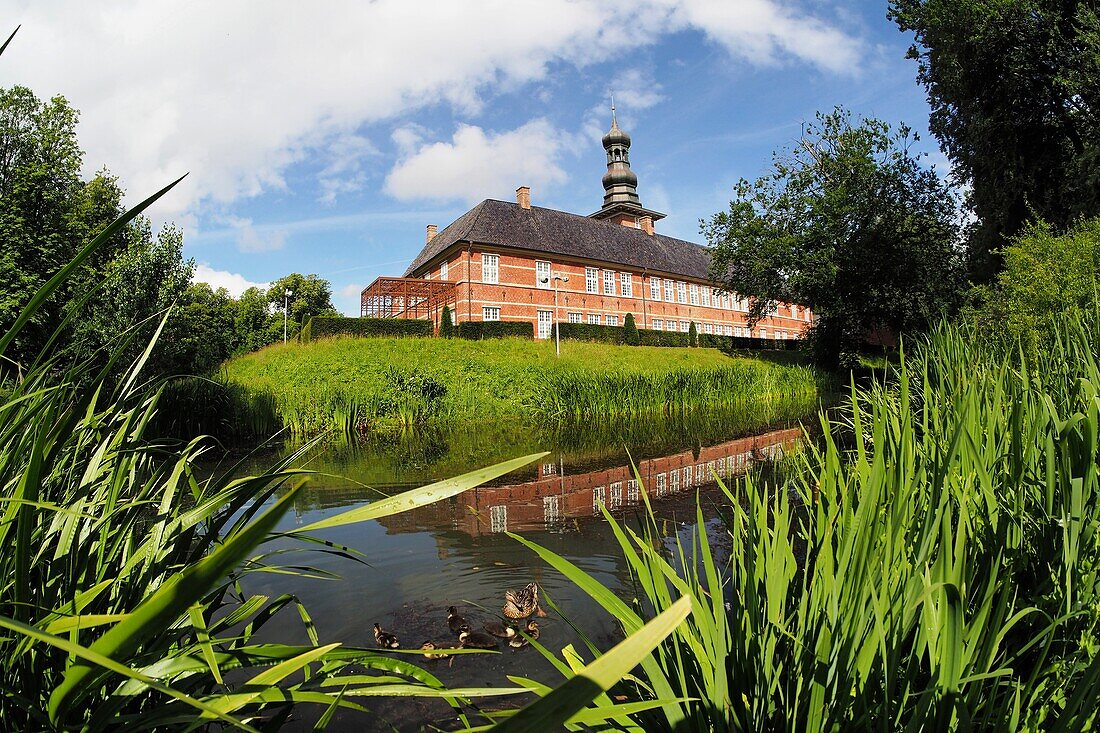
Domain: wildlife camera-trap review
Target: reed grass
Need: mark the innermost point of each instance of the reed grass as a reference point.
(931, 564)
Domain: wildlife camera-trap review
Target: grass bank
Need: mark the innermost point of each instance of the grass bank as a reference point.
(357, 384)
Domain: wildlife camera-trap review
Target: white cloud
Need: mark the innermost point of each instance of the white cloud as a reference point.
(636, 89)
(236, 92)
(475, 165)
(231, 281)
(254, 239)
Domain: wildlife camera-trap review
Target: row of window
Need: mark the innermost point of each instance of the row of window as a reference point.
(546, 323)
(622, 284)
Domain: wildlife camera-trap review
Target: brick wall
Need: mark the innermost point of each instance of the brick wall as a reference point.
(519, 298)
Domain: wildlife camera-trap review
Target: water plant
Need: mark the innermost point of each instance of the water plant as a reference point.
(931, 564)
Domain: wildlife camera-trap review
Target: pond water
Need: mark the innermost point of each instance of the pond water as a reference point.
(456, 552)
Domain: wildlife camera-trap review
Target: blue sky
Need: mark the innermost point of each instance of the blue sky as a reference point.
(323, 141)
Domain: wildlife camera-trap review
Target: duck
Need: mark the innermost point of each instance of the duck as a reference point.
(522, 603)
(385, 639)
(456, 622)
(503, 630)
(477, 640)
(532, 631)
(433, 650)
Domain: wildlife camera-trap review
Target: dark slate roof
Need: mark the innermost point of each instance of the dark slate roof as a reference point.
(537, 229)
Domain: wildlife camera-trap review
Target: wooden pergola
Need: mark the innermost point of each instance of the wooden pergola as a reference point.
(406, 297)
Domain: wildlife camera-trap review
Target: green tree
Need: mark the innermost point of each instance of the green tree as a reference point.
(200, 332)
(849, 223)
(312, 296)
(1014, 88)
(630, 331)
(252, 322)
(140, 285)
(446, 323)
(1046, 276)
(693, 335)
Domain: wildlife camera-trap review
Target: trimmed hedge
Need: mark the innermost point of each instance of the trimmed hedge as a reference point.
(328, 326)
(646, 337)
(477, 330)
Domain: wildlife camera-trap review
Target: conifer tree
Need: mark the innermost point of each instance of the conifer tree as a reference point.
(446, 325)
(630, 331)
(693, 335)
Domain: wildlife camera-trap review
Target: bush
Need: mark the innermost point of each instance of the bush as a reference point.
(630, 331)
(693, 335)
(328, 326)
(478, 330)
(591, 332)
(446, 323)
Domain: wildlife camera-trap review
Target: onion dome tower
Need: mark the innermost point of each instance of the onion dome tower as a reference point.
(620, 184)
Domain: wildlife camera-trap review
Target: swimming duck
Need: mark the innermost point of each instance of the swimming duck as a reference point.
(456, 622)
(522, 603)
(532, 631)
(433, 650)
(385, 639)
(504, 631)
(477, 640)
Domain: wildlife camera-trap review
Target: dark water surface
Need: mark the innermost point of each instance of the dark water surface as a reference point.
(455, 552)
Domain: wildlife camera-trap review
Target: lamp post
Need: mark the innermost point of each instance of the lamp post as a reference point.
(286, 305)
(557, 334)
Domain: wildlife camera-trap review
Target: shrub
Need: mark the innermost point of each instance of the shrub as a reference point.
(478, 330)
(446, 323)
(693, 335)
(630, 331)
(328, 326)
(591, 332)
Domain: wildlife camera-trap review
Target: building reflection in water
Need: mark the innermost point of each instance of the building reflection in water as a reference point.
(551, 499)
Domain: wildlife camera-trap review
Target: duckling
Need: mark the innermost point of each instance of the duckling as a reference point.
(532, 631)
(385, 639)
(477, 640)
(522, 603)
(456, 622)
(435, 651)
(504, 631)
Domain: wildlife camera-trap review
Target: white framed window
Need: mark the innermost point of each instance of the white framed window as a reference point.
(594, 319)
(658, 324)
(794, 311)
(545, 320)
(626, 285)
(551, 509)
(700, 473)
(706, 297)
(674, 480)
(763, 333)
(669, 285)
(597, 499)
(707, 328)
(498, 518)
(549, 469)
(608, 282)
(694, 294)
(490, 313)
(687, 476)
(542, 274)
(490, 268)
(591, 280)
(654, 288)
(632, 491)
(575, 318)
(444, 270)
(681, 292)
(616, 495)
(612, 320)
(729, 330)
(684, 326)
(662, 484)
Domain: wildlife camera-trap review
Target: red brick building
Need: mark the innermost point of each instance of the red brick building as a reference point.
(517, 262)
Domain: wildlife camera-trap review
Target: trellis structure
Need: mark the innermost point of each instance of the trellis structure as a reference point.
(406, 297)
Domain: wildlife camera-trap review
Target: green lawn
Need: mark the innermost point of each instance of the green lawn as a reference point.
(493, 378)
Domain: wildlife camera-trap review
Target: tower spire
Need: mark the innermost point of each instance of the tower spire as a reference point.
(620, 184)
(614, 122)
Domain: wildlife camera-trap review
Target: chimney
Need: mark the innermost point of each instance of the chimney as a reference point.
(431, 232)
(646, 223)
(523, 197)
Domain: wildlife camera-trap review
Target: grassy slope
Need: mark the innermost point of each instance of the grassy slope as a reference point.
(491, 378)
